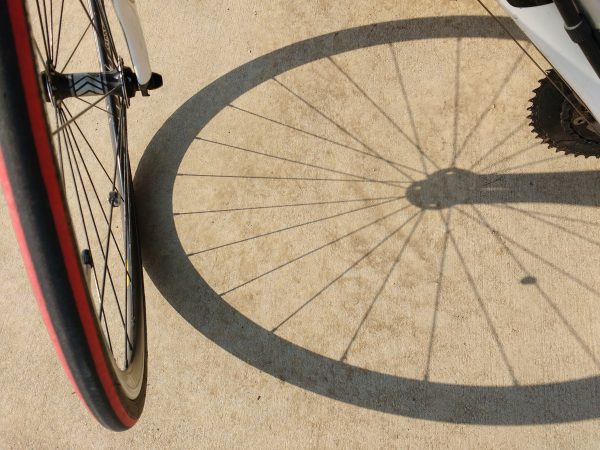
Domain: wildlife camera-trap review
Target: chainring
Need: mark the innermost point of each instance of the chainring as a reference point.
(557, 123)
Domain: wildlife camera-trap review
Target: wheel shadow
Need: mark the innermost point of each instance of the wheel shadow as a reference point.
(174, 275)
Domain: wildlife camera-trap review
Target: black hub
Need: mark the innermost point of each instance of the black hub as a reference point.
(123, 83)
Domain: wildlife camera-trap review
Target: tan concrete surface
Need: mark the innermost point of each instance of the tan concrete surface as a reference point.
(351, 242)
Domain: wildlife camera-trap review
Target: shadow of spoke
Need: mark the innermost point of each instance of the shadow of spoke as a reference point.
(530, 164)
(498, 145)
(290, 205)
(519, 152)
(567, 218)
(482, 306)
(344, 130)
(383, 285)
(348, 269)
(438, 294)
(258, 177)
(414, 144)
(540, 258)
(325, 139)
(192, 297)
(487, 110)
(293, 161)
(547, 222)
(584, 346)
(314, 250)
(310, 222)
(455, 151)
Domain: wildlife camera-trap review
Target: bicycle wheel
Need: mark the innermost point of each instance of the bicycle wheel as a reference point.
(68, 184)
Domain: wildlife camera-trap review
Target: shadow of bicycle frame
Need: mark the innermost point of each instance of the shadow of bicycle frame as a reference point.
(178, 281)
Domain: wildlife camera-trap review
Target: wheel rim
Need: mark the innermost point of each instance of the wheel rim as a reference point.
(94, 171)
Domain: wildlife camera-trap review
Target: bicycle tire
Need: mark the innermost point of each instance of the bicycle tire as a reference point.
(30, 176)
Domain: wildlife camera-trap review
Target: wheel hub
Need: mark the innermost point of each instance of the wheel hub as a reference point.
(65, 85)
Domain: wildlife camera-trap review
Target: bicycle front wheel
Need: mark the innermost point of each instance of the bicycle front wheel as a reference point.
(67, 180)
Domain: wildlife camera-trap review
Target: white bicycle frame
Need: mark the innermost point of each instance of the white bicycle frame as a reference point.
(543, 25)
(132, 29)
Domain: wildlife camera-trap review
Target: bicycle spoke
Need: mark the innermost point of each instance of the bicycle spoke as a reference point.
(51, 30)
(76, 47)
(88, 145)
(108, 240)
(125, 211)
(44, 34)
(104, 255)
(91, 21)
(48, 35)
(60, 151)
(39, 53)
(96, 193)
(68, 146)
(111, 41)
(95, 106)
(62, 5)
(81, 113)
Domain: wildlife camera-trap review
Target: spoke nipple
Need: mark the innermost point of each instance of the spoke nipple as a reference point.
(114, 199)
(86, 258)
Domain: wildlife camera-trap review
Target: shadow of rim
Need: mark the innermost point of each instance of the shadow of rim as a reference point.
(183, 287)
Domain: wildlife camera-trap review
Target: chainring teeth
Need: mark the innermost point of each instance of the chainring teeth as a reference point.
(550, 115)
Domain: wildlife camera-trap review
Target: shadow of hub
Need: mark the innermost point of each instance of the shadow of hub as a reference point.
(443, 189)
(177, 279)
(452, 187)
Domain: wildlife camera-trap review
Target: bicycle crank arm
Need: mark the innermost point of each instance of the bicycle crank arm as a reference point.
(58, 86)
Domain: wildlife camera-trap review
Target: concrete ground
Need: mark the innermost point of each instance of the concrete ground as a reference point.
(351, 238)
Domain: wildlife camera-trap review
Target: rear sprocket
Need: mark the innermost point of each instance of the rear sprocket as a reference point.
(564, 124)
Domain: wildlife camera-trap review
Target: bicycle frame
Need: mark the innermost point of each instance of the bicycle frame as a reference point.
(544, 26)
(132, 29)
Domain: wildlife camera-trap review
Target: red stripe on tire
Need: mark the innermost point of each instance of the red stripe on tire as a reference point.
(61, 221)
(16, 221)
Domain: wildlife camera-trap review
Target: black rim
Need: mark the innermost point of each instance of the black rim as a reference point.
(94, 169)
